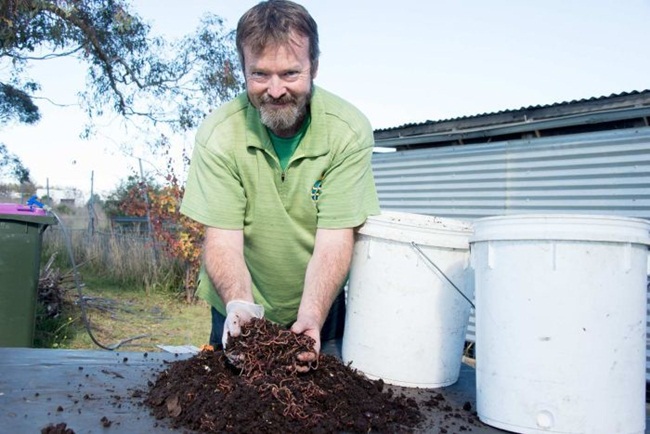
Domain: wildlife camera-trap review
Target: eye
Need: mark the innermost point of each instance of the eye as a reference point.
(258, 76)
(291, 75)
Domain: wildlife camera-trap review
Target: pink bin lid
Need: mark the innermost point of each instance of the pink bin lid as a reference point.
(19, 209)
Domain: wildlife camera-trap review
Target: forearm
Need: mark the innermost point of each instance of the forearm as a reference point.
(223, 257)
(326, 272)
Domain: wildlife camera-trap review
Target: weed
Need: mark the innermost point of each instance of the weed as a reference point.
(54, 332)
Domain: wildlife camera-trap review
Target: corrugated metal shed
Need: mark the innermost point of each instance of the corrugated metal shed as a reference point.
(597, 173)
(589, 156)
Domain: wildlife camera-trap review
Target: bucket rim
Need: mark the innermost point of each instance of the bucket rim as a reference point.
(562, 227)
(423, 229)
(412, 220)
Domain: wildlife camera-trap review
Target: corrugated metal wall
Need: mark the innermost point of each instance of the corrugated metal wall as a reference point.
(595, 173)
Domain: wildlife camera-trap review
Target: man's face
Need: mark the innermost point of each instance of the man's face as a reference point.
(279, 82)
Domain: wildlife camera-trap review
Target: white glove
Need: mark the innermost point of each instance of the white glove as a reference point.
(238, 313)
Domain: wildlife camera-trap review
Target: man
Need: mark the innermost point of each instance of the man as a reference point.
(280, 177)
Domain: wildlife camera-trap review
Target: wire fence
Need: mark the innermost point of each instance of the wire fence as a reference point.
(124, 257)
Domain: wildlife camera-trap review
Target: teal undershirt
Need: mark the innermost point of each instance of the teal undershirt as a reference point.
(286, 146)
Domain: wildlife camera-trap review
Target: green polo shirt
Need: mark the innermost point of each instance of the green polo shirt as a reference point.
(235, 181)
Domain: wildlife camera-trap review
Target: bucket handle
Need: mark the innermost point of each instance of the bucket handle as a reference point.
(427, 259)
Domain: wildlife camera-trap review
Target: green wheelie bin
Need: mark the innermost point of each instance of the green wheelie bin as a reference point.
(21, 234)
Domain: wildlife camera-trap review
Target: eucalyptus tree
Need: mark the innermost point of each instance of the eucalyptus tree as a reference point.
(143, 78)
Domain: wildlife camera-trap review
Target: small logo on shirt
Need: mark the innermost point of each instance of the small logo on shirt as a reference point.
(316, 190)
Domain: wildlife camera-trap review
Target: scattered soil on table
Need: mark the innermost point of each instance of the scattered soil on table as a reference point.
(265, 393)
(60, 428)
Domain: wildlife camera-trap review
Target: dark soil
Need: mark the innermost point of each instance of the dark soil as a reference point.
(60, 428)
(265, 393)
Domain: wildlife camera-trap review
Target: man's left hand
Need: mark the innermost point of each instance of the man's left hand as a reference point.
(311, 328)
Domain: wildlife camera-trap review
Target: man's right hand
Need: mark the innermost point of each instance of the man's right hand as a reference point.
(238, 313)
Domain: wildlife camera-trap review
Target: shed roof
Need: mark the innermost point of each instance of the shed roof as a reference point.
(623, 110)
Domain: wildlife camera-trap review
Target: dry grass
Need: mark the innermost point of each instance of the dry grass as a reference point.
(127, 259)
(131, 290)
(120, 316)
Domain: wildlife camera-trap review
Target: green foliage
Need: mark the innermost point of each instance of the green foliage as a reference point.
(161, 87)
(17, 104)
(54, 332)
(128, 198)
(131, 71)
(10, 165)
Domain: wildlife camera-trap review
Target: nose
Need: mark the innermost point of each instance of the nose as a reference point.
(276, 87)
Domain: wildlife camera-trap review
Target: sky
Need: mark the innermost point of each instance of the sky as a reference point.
(399, 62)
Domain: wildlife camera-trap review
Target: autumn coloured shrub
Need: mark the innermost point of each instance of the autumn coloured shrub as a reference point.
(176, 235)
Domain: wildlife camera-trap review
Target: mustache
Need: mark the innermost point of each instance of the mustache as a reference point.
(284, 99)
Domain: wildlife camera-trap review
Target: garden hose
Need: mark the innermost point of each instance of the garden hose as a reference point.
(68, 241)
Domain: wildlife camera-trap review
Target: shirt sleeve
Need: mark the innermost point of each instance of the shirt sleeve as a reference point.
(348, 194)
(214, 195)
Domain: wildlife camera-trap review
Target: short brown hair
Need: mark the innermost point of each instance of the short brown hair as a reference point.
(274, 22)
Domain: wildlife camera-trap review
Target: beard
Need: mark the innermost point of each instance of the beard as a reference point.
(283, 116)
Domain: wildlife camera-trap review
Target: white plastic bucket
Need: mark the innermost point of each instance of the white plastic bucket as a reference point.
(561, 322)
(405, 322)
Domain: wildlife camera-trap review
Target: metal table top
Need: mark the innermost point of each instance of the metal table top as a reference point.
(95, 391)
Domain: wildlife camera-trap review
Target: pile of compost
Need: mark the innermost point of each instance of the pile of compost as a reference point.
(262, 390)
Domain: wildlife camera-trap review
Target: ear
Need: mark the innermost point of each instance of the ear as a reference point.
(314, 70)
